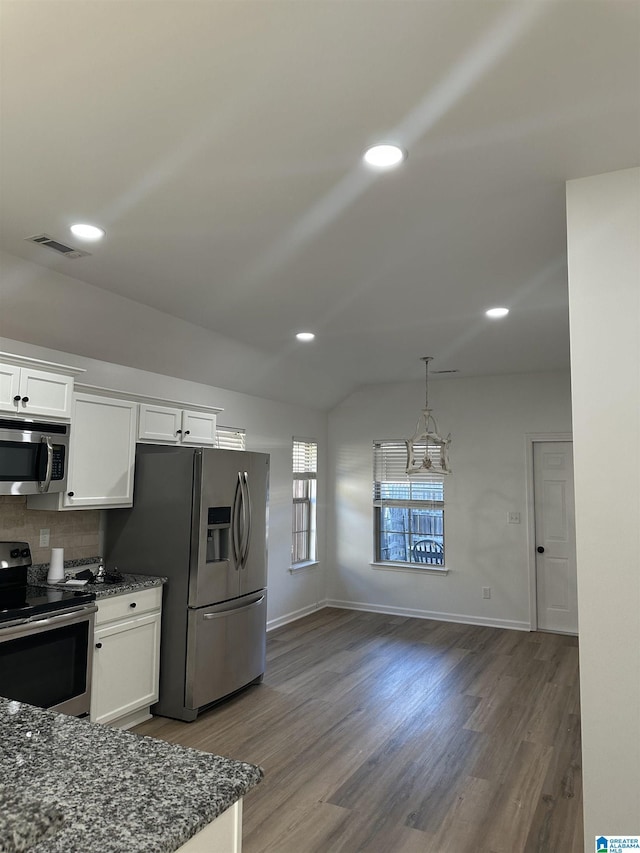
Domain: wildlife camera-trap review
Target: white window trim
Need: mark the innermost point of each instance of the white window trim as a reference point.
(313, 521)
(297, 567)
(412, 568)
(420, 568)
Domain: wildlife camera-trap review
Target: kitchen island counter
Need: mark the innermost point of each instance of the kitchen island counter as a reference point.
(85, 788)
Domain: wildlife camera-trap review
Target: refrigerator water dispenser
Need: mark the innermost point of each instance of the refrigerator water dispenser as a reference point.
(218, 532)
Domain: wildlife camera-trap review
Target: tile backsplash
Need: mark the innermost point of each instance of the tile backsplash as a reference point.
(77, 532)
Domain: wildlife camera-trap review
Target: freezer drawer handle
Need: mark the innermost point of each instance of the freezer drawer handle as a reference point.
(233, 610)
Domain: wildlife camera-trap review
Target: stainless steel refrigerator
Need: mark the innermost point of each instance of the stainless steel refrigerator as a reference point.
(200, 518)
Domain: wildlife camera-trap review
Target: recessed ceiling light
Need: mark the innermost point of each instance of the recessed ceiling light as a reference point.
(87, 232)
(384, 156)
(305, 336)
(497, 312)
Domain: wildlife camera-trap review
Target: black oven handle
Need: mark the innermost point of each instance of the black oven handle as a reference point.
(45, 446)
(67, 617)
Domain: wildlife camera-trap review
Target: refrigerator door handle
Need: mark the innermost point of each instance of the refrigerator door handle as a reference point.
(236, 532)
(246, 519)
(222, 613)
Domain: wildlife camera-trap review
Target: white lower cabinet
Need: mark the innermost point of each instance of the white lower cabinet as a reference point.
(126, 657)
(222, 835)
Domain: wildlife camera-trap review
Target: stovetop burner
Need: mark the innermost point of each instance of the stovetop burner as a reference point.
(22, 601)
(28, 601)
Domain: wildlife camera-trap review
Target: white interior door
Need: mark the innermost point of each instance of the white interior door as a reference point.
(555, 542)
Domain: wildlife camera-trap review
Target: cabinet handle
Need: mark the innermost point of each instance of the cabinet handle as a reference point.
(98, 645)
(187, 432)
(133, 604)
(70, 494)
(25, 399)
(17, 398)
(178, 431)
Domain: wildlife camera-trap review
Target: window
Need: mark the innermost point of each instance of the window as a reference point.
(409, 511)
(305, 471)
(230, 438)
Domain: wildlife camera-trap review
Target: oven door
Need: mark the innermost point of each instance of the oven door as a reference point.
(47, 662)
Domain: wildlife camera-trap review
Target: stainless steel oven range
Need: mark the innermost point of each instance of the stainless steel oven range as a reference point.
(46, 638)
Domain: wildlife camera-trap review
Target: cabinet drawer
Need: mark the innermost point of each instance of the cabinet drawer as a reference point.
(128, 605)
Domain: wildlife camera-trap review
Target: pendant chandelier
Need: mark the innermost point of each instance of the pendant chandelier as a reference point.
(427, 451)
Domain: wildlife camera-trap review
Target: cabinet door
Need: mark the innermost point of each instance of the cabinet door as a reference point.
(125, 667)
(102, 452)
(45, 393)
(199, 428)
(160, 423)
(9, 387)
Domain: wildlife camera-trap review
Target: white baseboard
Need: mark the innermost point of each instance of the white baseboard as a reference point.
(462, 618)
(295, 614)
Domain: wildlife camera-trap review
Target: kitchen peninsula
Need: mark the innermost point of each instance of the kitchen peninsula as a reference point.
(70, 786)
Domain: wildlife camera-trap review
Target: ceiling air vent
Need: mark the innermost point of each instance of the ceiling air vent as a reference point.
(57, 246)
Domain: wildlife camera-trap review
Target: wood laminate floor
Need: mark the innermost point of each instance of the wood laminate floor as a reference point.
(398, 735)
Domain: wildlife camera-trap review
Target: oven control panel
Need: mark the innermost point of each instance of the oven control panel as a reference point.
(13, 554)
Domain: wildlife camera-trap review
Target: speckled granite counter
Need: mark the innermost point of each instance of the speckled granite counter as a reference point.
(94, 789)
(130, 583)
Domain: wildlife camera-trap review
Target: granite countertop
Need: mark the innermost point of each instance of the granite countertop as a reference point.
(129, 583)
(71, 786)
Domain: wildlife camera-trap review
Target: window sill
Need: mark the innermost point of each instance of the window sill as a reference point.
(300, 566)
(411, 567)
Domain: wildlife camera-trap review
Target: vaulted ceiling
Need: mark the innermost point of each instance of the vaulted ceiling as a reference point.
(219, 145)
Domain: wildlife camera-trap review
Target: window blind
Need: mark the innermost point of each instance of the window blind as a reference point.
(305, 457)
(391, 481)
(230, 438)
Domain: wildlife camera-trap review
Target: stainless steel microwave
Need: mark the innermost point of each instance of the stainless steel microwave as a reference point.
(33, 457)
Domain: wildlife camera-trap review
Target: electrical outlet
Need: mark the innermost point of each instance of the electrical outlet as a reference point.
(513, 518)
(44, 537)
(486, 592)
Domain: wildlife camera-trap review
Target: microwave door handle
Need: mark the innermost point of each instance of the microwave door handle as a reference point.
(45, 446)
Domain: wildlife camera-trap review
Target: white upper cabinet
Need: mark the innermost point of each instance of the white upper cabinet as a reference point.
(159, 423)
(167, 425)
(199, 428)
(30, 391)
(102, 451)
(9, 385)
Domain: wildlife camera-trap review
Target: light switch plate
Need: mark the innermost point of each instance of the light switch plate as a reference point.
(44, 537)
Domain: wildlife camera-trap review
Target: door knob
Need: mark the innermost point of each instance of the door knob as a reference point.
(540, 549)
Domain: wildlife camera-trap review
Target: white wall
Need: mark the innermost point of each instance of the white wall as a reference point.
(489, 418)
(52, 309)
(270, 427)
(603, 215)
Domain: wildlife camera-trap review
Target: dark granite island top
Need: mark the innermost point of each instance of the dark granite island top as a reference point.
(70, 786)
